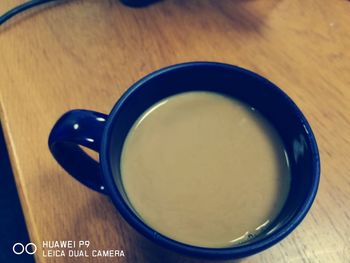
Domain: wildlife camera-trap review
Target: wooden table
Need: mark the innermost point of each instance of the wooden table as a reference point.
(85, 54)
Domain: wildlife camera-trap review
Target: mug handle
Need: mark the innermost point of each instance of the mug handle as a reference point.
(74, 129)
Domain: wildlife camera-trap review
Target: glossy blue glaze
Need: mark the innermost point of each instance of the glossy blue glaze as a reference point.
(79, 127)
(138, 3)
(229, 80)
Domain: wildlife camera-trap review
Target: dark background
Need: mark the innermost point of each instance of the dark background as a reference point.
(12, 224)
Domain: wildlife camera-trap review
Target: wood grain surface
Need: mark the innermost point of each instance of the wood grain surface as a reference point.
(85, 54)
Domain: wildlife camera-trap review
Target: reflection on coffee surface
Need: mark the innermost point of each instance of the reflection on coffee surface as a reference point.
(205, 170)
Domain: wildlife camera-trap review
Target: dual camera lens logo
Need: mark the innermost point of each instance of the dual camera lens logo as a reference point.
(20, 248)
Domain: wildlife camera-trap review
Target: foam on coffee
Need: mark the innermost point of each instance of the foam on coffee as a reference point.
(205, 170)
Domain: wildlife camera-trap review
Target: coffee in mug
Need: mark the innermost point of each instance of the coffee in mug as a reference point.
(205, 169)
(198, 157)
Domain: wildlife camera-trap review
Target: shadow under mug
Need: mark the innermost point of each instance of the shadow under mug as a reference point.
(106, 135)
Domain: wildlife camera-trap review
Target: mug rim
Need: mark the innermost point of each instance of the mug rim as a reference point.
(219, 253)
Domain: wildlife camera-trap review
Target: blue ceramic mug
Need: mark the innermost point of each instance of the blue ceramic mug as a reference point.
(106, 135)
